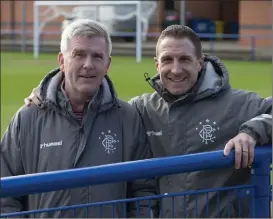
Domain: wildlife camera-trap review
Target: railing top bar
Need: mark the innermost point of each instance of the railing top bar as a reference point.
(120, 172)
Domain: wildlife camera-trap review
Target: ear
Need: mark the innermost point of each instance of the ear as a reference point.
(156, 63)
(200, 63)
(109, 63)
(61, 61)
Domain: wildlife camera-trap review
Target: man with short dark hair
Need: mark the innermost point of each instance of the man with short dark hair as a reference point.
(194, 109)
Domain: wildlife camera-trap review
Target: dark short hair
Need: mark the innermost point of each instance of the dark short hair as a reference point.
(180, 32)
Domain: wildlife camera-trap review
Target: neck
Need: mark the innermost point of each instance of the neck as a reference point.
(77, 104)
(77, 100)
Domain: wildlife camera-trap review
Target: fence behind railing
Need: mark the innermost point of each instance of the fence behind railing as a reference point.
(23, 37)
(258, 192)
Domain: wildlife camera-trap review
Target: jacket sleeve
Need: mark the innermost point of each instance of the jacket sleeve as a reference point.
(260, 126)
(11, 163)
(142, 187)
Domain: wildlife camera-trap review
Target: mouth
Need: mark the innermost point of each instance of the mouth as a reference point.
(87, 77)
(178, 79)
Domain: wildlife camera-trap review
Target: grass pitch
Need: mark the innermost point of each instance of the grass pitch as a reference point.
(20, 74)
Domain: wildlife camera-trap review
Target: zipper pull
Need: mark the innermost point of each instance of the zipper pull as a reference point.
(82, 129)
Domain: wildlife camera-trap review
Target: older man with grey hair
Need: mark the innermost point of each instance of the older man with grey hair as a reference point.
(80, 112)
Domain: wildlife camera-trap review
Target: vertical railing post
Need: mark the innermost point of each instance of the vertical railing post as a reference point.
(24, 27)
(253, 49)
(261, 181)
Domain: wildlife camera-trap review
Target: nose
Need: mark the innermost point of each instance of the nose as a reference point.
(176, 68)
(88, 63)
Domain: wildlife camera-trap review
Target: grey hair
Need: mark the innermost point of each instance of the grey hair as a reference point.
(87, 28)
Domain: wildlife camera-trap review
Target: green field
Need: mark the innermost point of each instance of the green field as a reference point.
(20, 73)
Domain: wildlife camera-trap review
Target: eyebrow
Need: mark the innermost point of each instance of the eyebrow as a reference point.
(168, 56)
(99, 53)
(164, 57)
(83, 51)
(77, 50)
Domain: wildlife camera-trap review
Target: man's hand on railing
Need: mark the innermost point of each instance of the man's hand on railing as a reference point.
(244, 146)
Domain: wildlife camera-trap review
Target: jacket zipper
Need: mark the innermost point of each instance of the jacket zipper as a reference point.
(71, 119)
(81, 130)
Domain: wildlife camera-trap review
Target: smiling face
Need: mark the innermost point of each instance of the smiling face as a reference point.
(85, 63)
(177, 64)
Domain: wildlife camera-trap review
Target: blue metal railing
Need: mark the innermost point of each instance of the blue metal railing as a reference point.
(127, 171)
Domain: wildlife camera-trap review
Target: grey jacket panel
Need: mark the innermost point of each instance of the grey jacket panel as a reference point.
(50, 138)
(201, 121)
(12, 137)
(260, 126)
